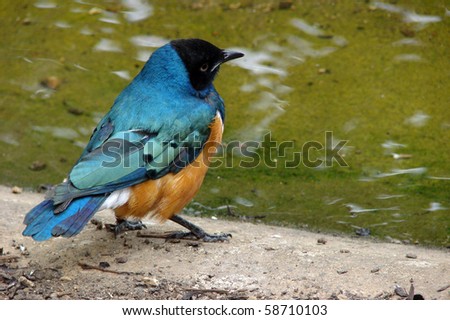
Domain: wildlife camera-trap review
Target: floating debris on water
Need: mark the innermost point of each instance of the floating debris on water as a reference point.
(306, 27)
(148, 41)
(354, 208)
(143, 55)
(391, 145)
(109, 17)
(396, 172)
(439, 178)
(407, 42)
(389, 196)
(401, 156)
(86, 31)
(9, 139)
(138, 10)
(244, 202)
(435, 206)
(333, 201)
(419, 119)
(62, 25)
(94, 11)
(408, 57)
(122, 74)
(255, 62)
(408, 16)
(108, 45)
(59, 132)
(45, 4)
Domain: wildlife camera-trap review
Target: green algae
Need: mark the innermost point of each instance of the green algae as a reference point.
(362, 92)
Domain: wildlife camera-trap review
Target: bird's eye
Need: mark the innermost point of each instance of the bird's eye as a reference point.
(204, 67)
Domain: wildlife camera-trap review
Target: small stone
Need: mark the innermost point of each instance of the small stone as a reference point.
(342, 271)
(104, 265)
(375, 270)
(151, 281)
(344, 251)
(234, 6)
(43, 188)
(37, 165)
(26, 21)
(16, 190)
(324, 71)
(75, 111)
(25, 282)
(65, 278)
(407, 32)
(51, 82)
(121, 259)
(400, 291)
(53, 296)
(411, 256)
(363, 232)
(97, 223)
(321, 241)
(286, 4)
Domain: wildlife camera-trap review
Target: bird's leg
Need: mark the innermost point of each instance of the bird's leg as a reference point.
(196, 231)
(123, 225)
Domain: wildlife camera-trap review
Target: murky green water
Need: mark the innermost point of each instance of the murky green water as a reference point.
(372, 73)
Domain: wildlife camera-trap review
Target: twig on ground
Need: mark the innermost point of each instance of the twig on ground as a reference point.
(86, 266)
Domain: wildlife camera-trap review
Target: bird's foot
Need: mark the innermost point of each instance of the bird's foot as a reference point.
(206, 237)
(123, 225)
(196, 232)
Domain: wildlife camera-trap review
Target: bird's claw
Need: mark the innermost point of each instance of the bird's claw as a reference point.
(126, 225)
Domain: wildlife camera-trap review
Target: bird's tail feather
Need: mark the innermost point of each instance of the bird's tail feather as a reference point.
(43, 223)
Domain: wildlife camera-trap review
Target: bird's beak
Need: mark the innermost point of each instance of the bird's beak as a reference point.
(230, 55)
(227, 56)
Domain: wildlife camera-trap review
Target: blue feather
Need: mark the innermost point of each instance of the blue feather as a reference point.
(42, 223)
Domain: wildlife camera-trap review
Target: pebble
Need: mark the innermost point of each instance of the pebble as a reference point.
(342, 271)
(321, 241)
(65, 278)
(104, 265)
(53, 296)
(323, 71)
(400, 292)
(27, 283)
(75, 111)
(51, 82)
(363, 232)
(411, 256)
(151, 281)
(121, 259)
(38, 165)
(374, 270)
(16, 190)
(286, 4)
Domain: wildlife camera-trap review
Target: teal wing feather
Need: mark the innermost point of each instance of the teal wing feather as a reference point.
(128, 158)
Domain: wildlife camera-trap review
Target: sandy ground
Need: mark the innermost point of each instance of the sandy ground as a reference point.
(260, 262)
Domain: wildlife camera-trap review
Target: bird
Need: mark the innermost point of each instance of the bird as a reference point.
(149, 154)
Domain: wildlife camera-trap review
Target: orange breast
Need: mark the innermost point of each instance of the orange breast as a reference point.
(166, 196)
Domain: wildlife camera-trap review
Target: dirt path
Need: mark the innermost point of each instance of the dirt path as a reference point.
(260, 262)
